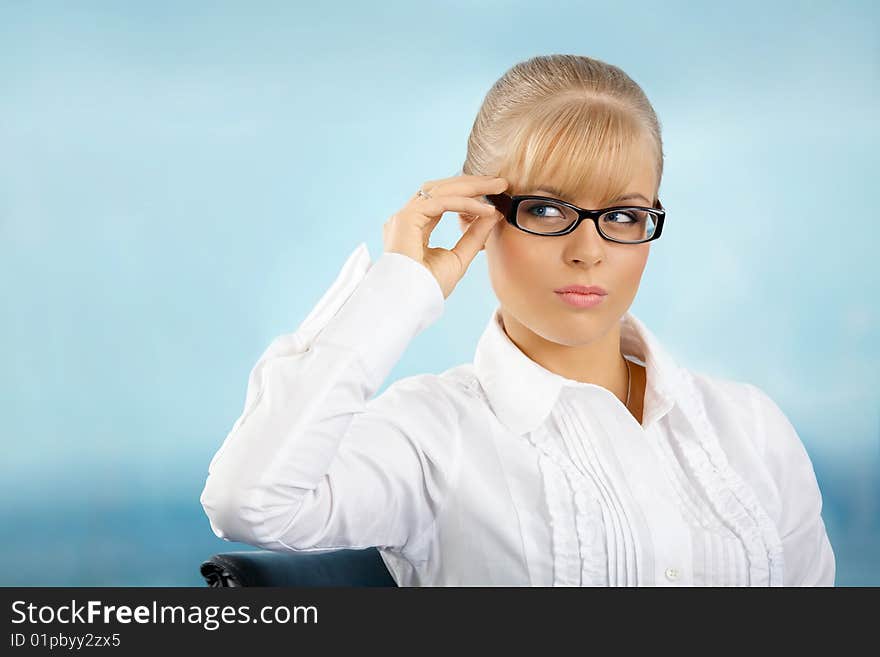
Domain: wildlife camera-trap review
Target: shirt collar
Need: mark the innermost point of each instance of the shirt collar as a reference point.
(522, 393)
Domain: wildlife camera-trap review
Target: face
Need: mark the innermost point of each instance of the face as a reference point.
(525, 270)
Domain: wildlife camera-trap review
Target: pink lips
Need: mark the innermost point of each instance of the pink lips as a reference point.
(582, 296)
(583, 289)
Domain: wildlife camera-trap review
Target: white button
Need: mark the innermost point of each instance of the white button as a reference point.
(672, 574)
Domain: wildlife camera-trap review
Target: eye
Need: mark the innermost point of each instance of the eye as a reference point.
(625, 217)
(541, 210)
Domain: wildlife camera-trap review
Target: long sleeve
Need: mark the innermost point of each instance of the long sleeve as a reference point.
(315, 462)
(808, 556)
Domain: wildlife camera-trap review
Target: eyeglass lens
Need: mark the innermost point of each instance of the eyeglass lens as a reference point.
(626, 225)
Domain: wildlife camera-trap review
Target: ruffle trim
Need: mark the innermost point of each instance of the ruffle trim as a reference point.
(579, 539)
(732, 497)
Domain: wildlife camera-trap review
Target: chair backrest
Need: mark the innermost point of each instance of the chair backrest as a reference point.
(268, 568)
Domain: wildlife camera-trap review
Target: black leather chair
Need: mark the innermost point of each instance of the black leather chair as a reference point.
(267, 568)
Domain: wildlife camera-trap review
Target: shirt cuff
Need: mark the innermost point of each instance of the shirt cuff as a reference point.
(396, 300)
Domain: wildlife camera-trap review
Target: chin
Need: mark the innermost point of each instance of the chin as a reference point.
(568, 328)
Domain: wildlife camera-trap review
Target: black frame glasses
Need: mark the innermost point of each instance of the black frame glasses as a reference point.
(508, 206)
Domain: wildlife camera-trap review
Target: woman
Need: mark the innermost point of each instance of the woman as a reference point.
(574, 450)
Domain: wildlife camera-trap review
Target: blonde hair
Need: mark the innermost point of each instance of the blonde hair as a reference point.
(577, 120)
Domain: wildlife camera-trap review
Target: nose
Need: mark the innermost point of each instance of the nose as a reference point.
(585, 243)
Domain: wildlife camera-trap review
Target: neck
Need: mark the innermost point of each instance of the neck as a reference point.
(598, 361)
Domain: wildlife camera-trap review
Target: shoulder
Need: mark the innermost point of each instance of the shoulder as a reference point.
(758, 410)
(745, 412)
(728, 403)
(444, 396)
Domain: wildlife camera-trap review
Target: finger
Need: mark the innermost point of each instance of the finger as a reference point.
(472, 186)
(432, 184)
(474, 238)
(431, 210)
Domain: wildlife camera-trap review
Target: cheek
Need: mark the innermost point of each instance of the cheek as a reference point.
(632, 266)
(512, 257)
(640, 259)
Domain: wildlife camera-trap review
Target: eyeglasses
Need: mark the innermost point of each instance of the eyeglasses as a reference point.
(541, 215)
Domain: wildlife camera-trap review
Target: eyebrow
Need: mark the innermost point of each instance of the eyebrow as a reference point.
(557, 193)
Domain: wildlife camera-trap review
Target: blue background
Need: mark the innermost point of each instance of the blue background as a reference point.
(179, 184)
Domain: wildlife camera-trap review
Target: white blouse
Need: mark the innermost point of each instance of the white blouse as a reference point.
(502, 473)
